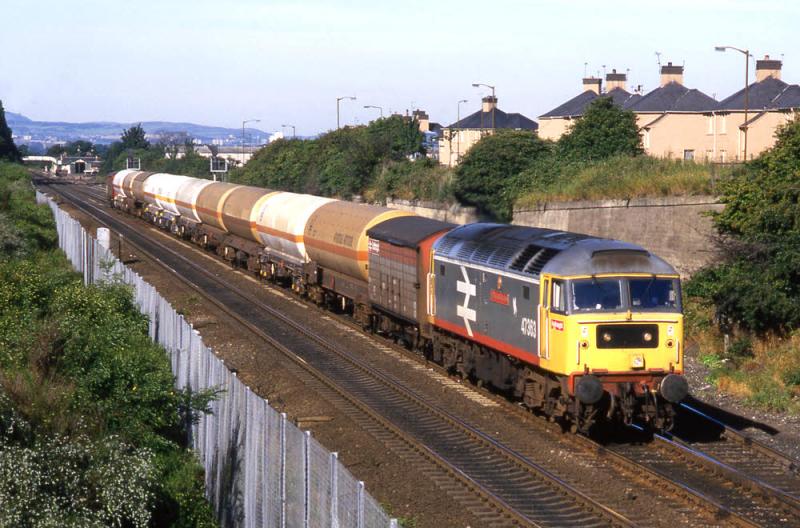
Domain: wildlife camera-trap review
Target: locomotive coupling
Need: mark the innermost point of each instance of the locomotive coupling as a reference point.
(674, 388)
(589, 390)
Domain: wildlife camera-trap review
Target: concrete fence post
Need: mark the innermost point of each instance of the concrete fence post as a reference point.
(360, 505)
(334, 487)
(307, 477)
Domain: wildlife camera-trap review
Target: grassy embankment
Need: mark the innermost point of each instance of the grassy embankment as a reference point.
(619, 177)
(92, 431)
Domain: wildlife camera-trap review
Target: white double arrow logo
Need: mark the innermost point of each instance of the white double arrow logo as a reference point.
(468, 289)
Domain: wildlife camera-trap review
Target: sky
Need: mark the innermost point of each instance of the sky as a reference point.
(285, 62)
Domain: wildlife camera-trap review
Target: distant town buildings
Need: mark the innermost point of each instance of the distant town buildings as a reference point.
(235, 156)
(460, 136)
(684, 123)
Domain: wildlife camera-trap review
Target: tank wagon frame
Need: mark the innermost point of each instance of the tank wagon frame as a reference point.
(524, 310)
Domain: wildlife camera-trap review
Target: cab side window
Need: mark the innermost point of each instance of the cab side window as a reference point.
(558, 302)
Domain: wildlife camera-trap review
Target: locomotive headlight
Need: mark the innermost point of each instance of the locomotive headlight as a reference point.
(647, 337)
(606, 337)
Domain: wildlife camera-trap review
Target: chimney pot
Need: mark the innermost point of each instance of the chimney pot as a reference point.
(592, 84)
(488, 103)
(670, 73)
(767, 67)
(615, 80)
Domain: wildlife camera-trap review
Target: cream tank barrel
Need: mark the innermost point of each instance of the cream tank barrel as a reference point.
(280, 222)
(161, 189)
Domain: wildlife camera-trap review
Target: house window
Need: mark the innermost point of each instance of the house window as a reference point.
(723, 156)
(709, 155)
(710, 124)
(723, 126)
(646, 139)
(688, 155)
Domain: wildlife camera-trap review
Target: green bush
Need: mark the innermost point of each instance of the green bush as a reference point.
(757, 287)
(92, 431)
(485, 176)
(604, 130)
(422, 179)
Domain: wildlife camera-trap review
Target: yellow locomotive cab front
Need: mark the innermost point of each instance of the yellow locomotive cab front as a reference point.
(613, 334)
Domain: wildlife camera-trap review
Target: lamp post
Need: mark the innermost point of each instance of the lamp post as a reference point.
(338, 100)
(458, 128)
(378, 107)
(494, 99)
(746, 54)
(294, 132)
(243, 124)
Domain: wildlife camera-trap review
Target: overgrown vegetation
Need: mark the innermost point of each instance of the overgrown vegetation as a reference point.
(8, 150)
(753, 296)
(616, 177)
(341, 163)
(159, 157)
(92, 431)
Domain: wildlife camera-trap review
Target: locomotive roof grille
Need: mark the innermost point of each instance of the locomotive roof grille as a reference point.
(540, 260)
(530, 251)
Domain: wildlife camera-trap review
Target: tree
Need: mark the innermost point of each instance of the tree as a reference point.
(757, 287)
(489, 168)
(8, 150)
(134, 138)
(603, 131)
(73, 148)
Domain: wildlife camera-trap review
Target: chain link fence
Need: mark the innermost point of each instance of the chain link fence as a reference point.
(260, 469)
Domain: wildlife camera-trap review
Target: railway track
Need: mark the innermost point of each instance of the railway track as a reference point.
(703, 483)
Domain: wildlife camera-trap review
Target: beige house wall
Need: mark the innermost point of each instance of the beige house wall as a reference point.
(713, 137)
(678, 135)
(455, 143)
(554, 128)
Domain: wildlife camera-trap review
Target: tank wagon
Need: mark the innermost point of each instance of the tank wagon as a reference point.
(581, 328)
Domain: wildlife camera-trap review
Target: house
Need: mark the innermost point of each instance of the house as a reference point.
(431, 131)
(557, 121)
(89, 164)
(684, 123)
(771, 103)
(460, 136)
(235, 156)
(673, 118)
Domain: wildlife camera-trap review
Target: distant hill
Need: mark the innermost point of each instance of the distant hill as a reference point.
(104, 132)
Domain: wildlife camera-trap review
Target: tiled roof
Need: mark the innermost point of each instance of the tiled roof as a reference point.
(502, 119)
(674, 97)
(576, 106)
(771, 93)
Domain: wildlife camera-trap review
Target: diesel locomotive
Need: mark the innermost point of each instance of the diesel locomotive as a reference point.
(580, 328)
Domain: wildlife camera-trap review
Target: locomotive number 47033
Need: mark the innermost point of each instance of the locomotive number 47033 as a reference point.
(528, 327)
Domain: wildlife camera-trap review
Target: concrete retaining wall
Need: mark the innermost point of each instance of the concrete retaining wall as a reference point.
(455, 213)
(676, 229)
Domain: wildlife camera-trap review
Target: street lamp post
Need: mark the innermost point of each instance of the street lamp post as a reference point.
(378, 107)
(243, 124)
(494, 99)
(746, 54)
(458, 129)
(338, 100)
(294, 132)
